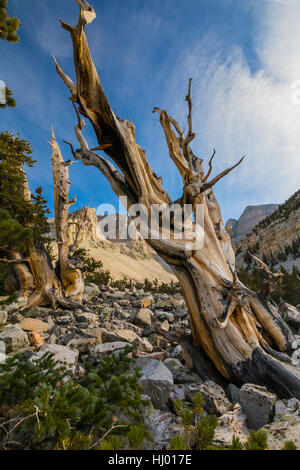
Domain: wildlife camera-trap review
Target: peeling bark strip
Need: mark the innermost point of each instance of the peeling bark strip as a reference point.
(239, 330)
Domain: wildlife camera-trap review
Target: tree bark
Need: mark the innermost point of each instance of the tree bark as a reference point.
(242, 333)
(68, 266)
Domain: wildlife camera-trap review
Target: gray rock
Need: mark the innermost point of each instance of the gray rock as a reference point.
(156, 380)
(39, 312)
(291, 315)
(14, 338)
(287, 407)
(287, 428)
(181, 374)
(162, 425)
(65, 320)
(258, 404)
(162, 316)
(178, 393)
(233, 393)
(66, 356)
(91, 288)
(98, 351)
(231, 424)
(83, 345)
(173, 363)
(215, 400)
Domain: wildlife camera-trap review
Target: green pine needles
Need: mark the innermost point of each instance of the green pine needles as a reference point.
(198, 430)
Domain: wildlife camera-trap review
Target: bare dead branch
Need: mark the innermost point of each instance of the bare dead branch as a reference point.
(210, 167)
(72, 149)
(265, 268)
(172, 141)
(190, 105)
(68, 81)
(217, 178)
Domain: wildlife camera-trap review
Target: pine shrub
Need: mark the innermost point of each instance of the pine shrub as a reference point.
(42, 407)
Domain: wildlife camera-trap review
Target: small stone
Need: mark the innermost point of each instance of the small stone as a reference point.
(215, 400)
(165, 325)
(14, 338)
(143, 345)
(143, 317)
(173, 363)
(32, 324)
(93, 333)
(36, 339)
(119, 335)
(89, 318)
(98, 351)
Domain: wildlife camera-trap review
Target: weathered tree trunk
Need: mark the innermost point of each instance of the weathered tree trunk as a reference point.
(240, 332)
(33, 276)
(68, 266)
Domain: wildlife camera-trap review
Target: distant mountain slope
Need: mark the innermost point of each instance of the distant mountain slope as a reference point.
(251, 216)
(276, 238)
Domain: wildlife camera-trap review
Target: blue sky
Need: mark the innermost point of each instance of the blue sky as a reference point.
(243, 56)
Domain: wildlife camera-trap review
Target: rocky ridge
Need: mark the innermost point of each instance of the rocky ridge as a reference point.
(276, 238)
(251, 216)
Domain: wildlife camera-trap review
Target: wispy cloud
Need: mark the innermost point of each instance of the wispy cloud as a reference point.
(241, 112)
(278, 41)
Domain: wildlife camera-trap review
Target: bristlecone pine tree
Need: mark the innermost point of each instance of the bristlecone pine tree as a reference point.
(23, 216)
(242, 333)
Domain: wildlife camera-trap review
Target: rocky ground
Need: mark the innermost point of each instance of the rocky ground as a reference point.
(118, 318)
